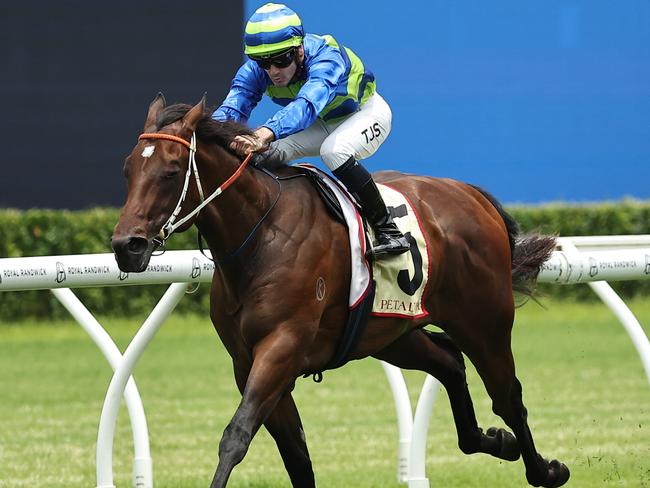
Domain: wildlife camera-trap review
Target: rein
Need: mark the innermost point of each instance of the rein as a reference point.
(169, 227)
(236, 252)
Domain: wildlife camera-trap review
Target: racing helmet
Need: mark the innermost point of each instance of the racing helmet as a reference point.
(272, 29)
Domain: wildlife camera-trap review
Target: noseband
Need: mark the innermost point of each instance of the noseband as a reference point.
(169, 227)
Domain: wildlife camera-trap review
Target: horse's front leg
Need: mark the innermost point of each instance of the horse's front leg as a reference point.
(276, 363)
(286, 428)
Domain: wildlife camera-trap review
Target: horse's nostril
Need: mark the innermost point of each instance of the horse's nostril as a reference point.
(137, 245)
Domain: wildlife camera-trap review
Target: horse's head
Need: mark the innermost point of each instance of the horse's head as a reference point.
(155, 172)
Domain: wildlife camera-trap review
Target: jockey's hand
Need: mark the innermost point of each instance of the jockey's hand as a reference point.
(255, 143)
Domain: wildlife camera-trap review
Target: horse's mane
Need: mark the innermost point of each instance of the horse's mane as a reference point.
(220, 132)
(207, 129)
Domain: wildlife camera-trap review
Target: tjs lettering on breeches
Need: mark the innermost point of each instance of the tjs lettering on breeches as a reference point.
(359, 136)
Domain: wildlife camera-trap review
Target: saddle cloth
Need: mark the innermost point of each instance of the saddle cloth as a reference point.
(400, 280)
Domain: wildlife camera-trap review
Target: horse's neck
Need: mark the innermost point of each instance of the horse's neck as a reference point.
(229, 219)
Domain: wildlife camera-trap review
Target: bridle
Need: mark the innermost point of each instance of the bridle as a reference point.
(171, 225)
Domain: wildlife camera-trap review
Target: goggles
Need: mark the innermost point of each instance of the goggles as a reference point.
(281, 60)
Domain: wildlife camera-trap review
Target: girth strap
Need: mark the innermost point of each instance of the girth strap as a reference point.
(356, 324)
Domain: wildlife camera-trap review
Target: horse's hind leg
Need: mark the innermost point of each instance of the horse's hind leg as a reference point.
(436, 354)
(285, 427)
(494, 362)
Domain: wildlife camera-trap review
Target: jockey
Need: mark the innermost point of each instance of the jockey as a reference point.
(331, 108)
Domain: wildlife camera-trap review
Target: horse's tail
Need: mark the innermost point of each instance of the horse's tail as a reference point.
(529, 252)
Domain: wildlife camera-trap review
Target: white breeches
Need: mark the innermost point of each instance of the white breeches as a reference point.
(358, 135)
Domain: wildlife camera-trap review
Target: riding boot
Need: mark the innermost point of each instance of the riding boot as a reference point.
(360, 183)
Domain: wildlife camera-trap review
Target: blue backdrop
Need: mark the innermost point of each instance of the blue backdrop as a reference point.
(535, 101)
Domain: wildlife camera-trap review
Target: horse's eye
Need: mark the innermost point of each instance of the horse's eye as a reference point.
(168, 175)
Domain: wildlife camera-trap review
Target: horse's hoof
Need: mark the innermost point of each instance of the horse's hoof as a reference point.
(508, 445)
(557, 474)
(560, 472)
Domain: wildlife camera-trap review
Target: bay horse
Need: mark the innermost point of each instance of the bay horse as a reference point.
(275, 245)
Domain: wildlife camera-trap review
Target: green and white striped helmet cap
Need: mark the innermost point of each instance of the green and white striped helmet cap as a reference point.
(273, 28)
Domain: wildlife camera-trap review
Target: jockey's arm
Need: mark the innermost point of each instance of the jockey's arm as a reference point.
(296, 116)
(245, 93)
(314, 95)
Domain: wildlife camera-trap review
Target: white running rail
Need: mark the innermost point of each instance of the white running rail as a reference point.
(594, 260)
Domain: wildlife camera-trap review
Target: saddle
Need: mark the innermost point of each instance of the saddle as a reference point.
(400, 281)
(325, 192)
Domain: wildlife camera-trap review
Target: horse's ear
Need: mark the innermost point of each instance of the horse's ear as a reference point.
(154, 107)
(195, 114)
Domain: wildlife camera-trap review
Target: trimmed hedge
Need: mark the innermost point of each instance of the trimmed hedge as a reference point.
(627, 217)
(56, 232)
(53, 232)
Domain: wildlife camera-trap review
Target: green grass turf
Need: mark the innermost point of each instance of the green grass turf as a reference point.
(584, 386)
